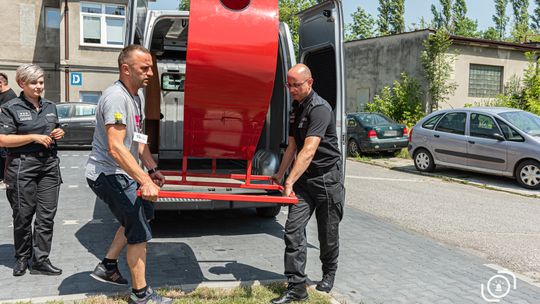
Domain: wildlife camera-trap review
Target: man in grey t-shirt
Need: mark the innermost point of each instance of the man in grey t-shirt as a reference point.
(114, 174)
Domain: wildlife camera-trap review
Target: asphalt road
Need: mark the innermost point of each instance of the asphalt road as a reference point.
(501, 227)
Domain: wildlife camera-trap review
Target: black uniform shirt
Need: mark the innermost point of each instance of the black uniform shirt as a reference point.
(18, 116)
(315, 117)
(7, 96)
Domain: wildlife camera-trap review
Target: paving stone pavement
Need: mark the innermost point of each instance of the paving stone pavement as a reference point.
(379, 263)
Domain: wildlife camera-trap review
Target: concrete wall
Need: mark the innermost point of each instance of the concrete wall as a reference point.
(27, 40)
(372, 64)
(513, 62)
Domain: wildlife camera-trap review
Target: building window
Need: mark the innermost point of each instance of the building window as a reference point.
(103, 24)
(52, 17)
(485, 80)
(91, 97)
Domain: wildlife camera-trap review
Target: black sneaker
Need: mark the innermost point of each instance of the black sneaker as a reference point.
(150, 298)
(114, 276)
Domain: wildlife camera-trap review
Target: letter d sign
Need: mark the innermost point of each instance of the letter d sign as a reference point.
(75, 79)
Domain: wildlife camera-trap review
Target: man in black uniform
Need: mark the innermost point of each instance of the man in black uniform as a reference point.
(6, 94)
(317, 180)
(29, 128)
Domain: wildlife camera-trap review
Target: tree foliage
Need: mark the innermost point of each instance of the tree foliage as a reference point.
(491, 33)
(362, 25)
(453, 18)
(401, 102)
(521, 20)
(536, 18)
(397, 17)
(443, 18)
(438, 68)
(184, 5)
(383, 21)
(500, 18)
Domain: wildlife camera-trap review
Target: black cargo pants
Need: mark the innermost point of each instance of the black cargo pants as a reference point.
(33, 185)
(324, 195)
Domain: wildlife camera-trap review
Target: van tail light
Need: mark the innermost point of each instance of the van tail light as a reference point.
(410, 135)
(405, 132)
(372, 134)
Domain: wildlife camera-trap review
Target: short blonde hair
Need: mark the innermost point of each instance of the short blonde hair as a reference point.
(27, 73)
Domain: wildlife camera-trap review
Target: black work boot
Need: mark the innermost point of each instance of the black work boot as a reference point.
(20, 266)
(326, 283)
(294, 292)
(45, 268)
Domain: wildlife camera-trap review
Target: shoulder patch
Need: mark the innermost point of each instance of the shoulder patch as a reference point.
(118, 118)
(24, 115)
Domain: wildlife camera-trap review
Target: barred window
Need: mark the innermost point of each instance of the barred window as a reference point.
(485, 80)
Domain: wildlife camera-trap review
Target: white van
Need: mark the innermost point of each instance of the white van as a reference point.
(165, 34)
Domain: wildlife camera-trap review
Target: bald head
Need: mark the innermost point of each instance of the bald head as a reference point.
(301, 70)
(299, 81)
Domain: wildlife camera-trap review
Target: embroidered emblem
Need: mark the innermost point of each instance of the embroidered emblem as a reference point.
(118, 118)
(24, 115)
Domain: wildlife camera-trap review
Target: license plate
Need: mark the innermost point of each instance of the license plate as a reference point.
(390, 133)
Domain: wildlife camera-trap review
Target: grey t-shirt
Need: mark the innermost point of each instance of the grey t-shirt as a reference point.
(116, 106)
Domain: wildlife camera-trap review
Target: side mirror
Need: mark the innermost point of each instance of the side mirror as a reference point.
(498, 137)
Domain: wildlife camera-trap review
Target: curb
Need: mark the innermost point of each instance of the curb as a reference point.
(445, 178)
(184, 287)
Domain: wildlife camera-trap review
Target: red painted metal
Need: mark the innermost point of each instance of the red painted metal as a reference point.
(230, 70)
(230, 197)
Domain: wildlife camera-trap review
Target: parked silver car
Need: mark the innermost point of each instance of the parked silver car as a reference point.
(499, 141)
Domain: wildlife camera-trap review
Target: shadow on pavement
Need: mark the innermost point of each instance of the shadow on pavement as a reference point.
(170, 263)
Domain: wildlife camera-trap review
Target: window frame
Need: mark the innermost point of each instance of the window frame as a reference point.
(103, 24)
(84, 105)
(501, 81)
(494, 122)
(436, 128)
(46, 20)
(437, 118)
(69, 109)
(81, 93)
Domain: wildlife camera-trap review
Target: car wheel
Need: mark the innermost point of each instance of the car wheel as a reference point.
(353, 148)
(528, 174)
(268, 212)
(423, 161)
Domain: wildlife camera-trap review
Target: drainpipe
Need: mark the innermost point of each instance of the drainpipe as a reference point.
(66, 48)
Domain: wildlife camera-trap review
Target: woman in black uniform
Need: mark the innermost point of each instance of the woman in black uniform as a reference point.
(29, 130)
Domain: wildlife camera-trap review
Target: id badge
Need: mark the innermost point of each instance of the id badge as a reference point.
(140, 138)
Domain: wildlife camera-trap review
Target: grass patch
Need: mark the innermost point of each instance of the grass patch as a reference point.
(204, 295)
(403, 153)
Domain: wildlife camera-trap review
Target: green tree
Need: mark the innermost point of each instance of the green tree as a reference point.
(383, 21)
(362, 25)
(536, 18)
(184, 5)
(500, 18)
(461, 24)
(438, 67)
(531, 83)
(491, 33)
(397, 17)
(521, 19)
(401, 102)
(442, 19)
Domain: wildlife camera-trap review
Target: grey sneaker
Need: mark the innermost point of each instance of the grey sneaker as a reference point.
(114, 276)
(150, 298)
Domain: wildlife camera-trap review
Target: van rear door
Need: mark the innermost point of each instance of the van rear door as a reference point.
(321, 49)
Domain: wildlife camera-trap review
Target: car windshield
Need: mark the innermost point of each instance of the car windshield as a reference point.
(525, 121)
(373, 119)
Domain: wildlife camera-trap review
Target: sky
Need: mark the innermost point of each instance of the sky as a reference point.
(480, 10)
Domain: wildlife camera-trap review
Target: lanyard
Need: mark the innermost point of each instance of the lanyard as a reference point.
(138, 105)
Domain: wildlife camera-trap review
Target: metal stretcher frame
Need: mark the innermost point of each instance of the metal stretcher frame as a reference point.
(230, 71)
(247, 178)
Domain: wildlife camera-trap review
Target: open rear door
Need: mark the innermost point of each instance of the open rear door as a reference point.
(321, 49)
(137, 10)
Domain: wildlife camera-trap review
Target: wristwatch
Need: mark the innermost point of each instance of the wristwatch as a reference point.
(152, 171)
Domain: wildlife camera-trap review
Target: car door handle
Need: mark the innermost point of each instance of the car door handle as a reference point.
(471, 142)
(437, 135)
(64, 125)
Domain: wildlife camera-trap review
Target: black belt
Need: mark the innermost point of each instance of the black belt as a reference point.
(318, 171)
(31, 154)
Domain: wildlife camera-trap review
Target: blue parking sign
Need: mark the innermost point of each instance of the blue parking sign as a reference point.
(75, 79)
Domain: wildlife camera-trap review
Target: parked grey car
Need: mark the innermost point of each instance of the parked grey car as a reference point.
(78, 119)
(499, 141)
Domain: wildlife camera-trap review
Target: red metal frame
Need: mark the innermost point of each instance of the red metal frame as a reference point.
(246, 184)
